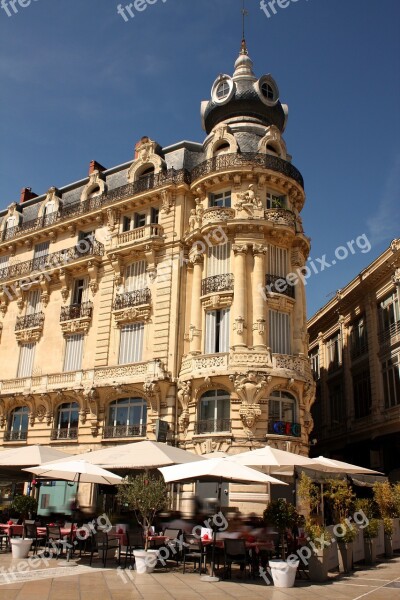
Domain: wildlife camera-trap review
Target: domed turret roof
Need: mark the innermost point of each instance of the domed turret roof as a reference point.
(243, 95)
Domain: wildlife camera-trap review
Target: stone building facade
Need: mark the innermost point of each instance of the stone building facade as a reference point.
(355, 356)
(169, 287)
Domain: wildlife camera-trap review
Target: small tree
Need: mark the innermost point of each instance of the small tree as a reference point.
(309, 493)
(282, 515)
(388, 504)
(341, 498)
(146, 495)
(24, 505)
(369, 508)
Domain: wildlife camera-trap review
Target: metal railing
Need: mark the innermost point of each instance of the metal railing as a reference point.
(29, 321)
(388, 334)
(213, 426)
(358, 348)
(15, 436)
(54, 260)
(276, 284)
(247, 159)
(217, 283)
(124, 431)
(64, 434)
(76, 311)
(134, 298)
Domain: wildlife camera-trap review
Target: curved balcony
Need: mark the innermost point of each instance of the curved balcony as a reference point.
(51, 261)
(217, 283)
(76, 311)
(30, 322)
(135, 298)
(281, 216)
(150, 182)
(231, 161)
(216, 215)
(276, 284)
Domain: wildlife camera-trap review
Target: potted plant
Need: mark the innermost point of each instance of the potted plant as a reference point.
(371, 530)
(389, 509)
(146, 495)
(309, 493)
(341, 498)
(25, 506)
(282, 515)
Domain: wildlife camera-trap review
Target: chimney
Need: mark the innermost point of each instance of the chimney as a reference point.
(95, 166)
(143, 140)
(27, 194)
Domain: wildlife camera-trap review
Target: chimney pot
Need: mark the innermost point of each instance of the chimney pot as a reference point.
(27, 194)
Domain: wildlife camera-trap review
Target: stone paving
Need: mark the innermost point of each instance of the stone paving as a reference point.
(52, 581)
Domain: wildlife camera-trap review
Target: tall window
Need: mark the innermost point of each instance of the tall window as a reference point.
(362, 394)
(391, 380)
(18, 424)
(4, 262)
(39, 254)
(389, 311)
(135, 276)
(219, 260)
(67, 421)
(358, 338)
(337, 404)
(154, 216)
(314, 359)
(214, 412)
(26, 360)
(334, 352)
(222, 199)
(217, 331)
(134, 221)
(275, 200)
(127, 417)
(33, 303)
(282, 407)
(73, 352)
(131, 343)
(278, 261)
(279, 332)
(80, 294)
(49, 213)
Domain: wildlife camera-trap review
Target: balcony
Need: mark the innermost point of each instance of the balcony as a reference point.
(390, 335)
(217, 283)
(15, 436)
(64, 434)
(69, 211)
(55, 260)
(212, 426)
(140, 235)
(124, 431)
(359, 348)
(129, 299)
(280, 216)
(34, 321)
(228, 162)
(76, 311)
(217, 215)
(276, 284)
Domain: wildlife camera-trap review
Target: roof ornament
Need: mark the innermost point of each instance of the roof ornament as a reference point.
(245, 13)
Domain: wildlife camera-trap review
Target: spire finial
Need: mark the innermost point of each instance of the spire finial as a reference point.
(245, 14)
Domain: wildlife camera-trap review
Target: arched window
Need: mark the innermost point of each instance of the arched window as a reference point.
(95, 192)
(67, 422)
(214, 412)
(222, 148)
(127, 417)
(283, 414)
(147, 171)
(18, 425)
(49, 214)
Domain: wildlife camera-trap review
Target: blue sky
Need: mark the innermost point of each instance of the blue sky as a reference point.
(78, 83)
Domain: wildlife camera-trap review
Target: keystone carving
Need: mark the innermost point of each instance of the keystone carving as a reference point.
(249, 387)
(249, 414)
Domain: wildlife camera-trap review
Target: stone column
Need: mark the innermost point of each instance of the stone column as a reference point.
(259, 300)
(239, 299)
(196, 310)
(375, 367)
(348, 379)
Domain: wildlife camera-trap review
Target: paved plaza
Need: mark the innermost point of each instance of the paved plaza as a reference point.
(81, 582)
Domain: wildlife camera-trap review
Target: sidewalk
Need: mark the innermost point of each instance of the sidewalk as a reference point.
(81, 582)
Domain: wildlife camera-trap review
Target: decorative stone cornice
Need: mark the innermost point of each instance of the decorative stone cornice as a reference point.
(80, 325)
(218, 301)
(132, 314)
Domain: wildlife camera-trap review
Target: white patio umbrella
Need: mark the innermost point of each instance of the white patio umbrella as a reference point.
(330, 465)
(272, 460)
(79, 471)
(30, 455)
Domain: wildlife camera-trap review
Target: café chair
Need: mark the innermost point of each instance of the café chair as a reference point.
(134, 541)
(30, 531)
(102, 543)
(193, 551)
(54, 539)
(235, 553)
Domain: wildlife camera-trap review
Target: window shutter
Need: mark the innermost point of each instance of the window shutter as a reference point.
(278, 261)
(73, 352)
(219, 260)
(4, 262)
(210, 340)
(131, 343)
(135, 276)
(33, 305)
(41, 250)
(224, 330)
(279, 332)
(26, 358)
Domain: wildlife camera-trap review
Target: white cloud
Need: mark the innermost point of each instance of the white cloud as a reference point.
(384, 224)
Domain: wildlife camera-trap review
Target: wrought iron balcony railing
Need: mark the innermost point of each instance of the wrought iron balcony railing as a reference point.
(52, 261)
(124, 431)
(171, 176)
(15, 436)
(29, 321)
(276, 284)
(359, 348)
(250, 159)
(389, 335)
(217, 283)
(64, 434)
(134, 298)
(212, 426)
(76, 311)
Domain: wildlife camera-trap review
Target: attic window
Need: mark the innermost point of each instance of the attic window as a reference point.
(95, 192)
(223, 90)
(147, 172)
(222, 148)
(268, 91)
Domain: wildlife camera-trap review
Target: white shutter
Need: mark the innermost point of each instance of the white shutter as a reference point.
(26, 358)
(73, 352)
(85, 293)
(210, 338)
(50, 208)
(41, 250)
(131, 343)
(278, 261)
(135, 276)
(4, 262)
(279, 332)
(219, 260)
(11, 222)
(33, 305)
(224, 330)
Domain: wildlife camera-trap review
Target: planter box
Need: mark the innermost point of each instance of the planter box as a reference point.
(370, 550)
(358, 546)
(396, 534)
(318, 565)
(20, 547)
(283, 574)
(332, 558)
(388, 546)
(380, 540)
(345, 557)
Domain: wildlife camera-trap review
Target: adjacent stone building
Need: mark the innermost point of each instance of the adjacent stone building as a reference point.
(169, 287)
(355, 356)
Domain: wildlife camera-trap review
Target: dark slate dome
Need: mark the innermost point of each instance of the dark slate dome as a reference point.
(243, 95)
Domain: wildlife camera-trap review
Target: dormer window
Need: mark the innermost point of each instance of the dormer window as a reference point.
(222, 148)
(95, 192)
(147, 172)
(223, 90)
(267, 91)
